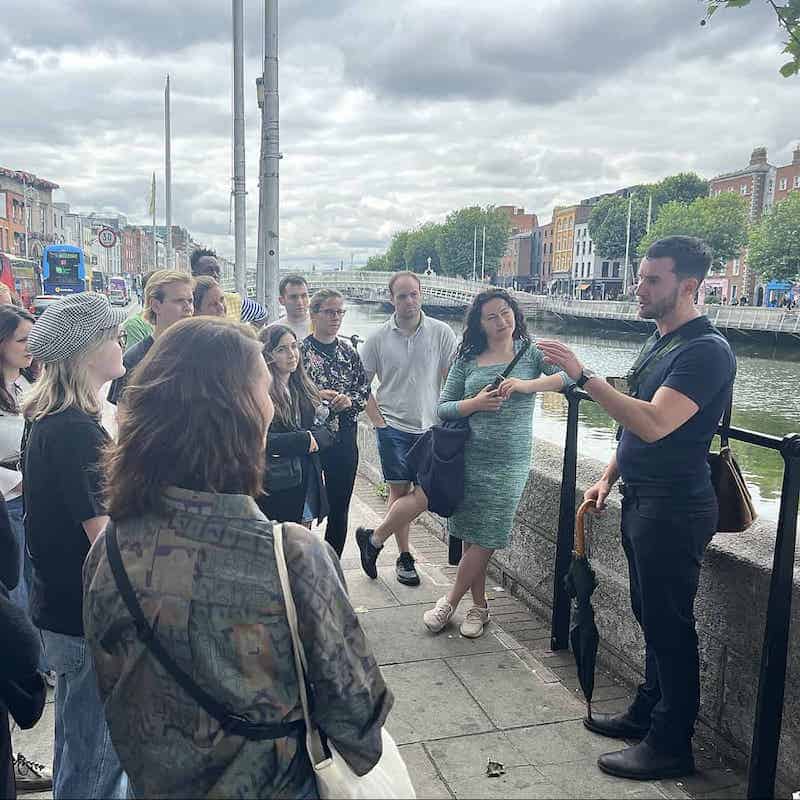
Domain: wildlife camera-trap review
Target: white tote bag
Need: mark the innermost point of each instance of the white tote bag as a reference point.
(335, 780)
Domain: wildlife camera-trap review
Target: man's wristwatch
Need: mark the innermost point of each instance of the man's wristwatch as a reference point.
(585, 376)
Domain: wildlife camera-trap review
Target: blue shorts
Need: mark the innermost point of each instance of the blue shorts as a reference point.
(393, 446)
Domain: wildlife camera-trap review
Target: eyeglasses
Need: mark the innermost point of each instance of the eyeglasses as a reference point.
(333, 313)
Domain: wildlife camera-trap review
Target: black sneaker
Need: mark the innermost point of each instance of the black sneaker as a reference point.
(406, 573)
(369, 553)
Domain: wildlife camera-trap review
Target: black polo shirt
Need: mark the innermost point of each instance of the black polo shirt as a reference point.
(62, 491)
(703, 369)
(133, 356)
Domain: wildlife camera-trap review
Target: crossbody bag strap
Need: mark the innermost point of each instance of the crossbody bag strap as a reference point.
(314, 743)
(725, 430)
(233, 724)
(514, 361)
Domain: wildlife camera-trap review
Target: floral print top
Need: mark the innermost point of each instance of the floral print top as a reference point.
(337, 366)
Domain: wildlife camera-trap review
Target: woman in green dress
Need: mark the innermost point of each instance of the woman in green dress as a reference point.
(498, 451)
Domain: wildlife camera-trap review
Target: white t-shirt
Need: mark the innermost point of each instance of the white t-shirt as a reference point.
(410, 370)
(301, 329)
(11, 429)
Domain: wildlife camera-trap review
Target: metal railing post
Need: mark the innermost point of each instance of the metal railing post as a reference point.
(559, 627)
(771, 680)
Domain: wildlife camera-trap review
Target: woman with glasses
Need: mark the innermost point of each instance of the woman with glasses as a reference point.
(294, 490)
(77, 342)
(336, 370)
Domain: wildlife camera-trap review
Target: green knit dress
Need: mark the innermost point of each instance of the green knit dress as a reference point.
(498, 451)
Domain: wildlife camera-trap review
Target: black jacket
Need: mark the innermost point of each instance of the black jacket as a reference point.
(22, 688)
(288, 442)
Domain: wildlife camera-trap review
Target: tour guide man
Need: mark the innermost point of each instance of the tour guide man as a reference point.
(680, 385)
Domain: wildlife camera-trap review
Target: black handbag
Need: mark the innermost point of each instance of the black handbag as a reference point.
(736, 509)
(283, 473)
(232, 723)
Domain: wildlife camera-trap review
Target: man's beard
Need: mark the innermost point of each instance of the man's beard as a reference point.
(662, 308)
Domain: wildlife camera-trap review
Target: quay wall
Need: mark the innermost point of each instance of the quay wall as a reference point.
(730, 609)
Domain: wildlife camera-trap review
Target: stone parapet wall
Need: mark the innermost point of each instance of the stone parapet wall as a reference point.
(731, 601)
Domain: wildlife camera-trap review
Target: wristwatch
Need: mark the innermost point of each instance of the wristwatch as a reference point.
(585, 376)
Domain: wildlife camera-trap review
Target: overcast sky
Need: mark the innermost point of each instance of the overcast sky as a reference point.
(392, 113)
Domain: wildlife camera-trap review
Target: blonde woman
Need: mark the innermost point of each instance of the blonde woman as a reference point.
(77, 340)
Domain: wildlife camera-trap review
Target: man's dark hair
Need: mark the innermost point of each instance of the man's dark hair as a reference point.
(690, 255)
(201, 252)
(403, 274)
(291, 279)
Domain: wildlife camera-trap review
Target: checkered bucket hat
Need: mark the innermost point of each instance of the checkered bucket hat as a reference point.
(66, 327)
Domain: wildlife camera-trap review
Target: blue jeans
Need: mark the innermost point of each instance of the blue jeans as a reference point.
(85, 764)
(393, 447)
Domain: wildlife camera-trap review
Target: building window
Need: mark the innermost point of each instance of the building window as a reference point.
(797, 181)
(743, 188)
(735, 266)
(783, 184)
(615, 272)
(604, 269)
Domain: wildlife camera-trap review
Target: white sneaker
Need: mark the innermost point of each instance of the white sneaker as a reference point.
(31, 776)
(474, 622)
(438, 616)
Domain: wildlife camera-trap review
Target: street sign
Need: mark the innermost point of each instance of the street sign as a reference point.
(107, 237)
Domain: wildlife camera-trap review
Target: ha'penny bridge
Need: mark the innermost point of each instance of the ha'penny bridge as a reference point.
(453, 294)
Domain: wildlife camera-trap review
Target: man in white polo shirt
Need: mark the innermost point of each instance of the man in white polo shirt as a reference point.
(410, 355)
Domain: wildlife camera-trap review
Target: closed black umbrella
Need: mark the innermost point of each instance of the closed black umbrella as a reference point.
(580, 582)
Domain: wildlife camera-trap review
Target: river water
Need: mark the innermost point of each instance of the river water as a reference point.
(766, 397)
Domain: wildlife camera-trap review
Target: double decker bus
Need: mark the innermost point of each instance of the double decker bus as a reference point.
(99, 282)
(21, 276)
(63, 269)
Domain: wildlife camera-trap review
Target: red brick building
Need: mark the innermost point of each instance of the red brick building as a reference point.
(521, 222)
(787, 179)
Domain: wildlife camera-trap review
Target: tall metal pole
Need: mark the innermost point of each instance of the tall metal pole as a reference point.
(270, 158)
(483, 255)
(239, 191)
(627, 246)
(475, 255)
(168, 177)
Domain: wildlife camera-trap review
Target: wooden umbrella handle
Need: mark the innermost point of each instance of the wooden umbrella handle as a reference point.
(580, 534)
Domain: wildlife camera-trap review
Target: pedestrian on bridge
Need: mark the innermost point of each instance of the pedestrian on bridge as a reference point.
(680, 385)
(410, 355)
(335, 368)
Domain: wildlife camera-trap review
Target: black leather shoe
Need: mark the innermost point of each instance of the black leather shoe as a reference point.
(643, 763)
(616, 726)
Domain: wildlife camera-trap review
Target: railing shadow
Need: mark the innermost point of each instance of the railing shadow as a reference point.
(772, 675)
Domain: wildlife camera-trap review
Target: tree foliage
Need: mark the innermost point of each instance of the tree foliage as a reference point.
(608, 224)
(774, 247)
(377, 264)
(788, 14)
(683, 187)
(720, 221)
(449, 245)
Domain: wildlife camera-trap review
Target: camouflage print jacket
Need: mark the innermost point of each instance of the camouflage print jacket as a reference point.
(204, 573)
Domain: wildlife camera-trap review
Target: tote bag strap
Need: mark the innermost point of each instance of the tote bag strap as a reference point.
(725, 431)
(313, 741)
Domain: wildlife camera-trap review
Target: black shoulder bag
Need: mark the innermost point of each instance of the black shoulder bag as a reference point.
(233, 724)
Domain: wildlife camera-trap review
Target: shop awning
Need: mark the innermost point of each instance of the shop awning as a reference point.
(584, 286)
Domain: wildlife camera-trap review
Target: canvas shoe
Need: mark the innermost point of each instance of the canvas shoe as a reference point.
(438, 616)
(31, 776)
(474, 622)
(369, 553)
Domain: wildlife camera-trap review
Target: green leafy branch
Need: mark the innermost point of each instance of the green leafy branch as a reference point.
(788, 17)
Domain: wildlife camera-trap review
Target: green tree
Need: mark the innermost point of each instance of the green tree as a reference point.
(454, 243)
(377, 264)
(774, 248)
(421, 245)
(608, 225)
(396, 254)
(683, 187)
(788, 14)
(721, 222)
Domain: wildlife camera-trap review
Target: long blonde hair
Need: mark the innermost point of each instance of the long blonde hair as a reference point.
(64, 384)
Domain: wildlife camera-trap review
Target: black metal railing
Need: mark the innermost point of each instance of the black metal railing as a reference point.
(772, 675)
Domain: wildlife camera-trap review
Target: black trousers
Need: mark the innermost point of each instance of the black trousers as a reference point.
(339, 466)
(664, 536)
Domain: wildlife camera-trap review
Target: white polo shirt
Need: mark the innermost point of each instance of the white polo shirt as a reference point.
(409, 369)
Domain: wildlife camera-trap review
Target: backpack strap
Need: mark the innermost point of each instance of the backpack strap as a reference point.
(233, 724)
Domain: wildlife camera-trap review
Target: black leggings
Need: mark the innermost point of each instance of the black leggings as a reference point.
(339, 465)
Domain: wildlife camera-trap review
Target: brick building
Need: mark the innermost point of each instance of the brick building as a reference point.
(564, 221)
(22, 192)
(787, 179)
(545, 256)
(520, 220)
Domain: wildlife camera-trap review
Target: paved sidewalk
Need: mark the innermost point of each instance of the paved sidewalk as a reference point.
(461, 702)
